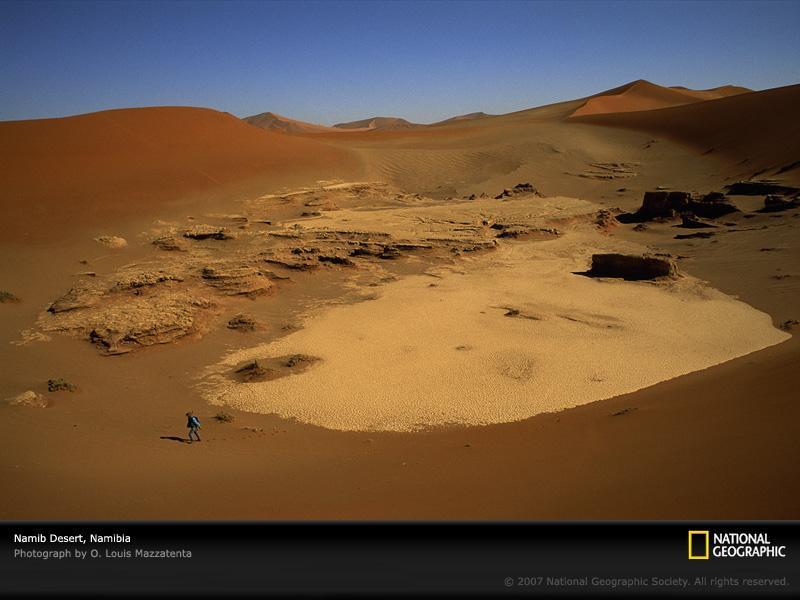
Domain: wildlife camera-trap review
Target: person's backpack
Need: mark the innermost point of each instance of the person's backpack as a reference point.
(195, 421)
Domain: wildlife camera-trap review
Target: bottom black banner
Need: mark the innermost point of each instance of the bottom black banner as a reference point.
(756, 559)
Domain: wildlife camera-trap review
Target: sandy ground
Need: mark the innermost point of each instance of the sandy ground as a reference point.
(718, 442)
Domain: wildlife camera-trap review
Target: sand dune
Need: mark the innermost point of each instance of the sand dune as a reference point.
(468, 117)
(276, 122)
(60, 173)
(643, 95)
(380, 123)
(759, 131)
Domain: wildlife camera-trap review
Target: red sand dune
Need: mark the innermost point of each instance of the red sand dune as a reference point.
(760, 131)
(57, 173)
(643, 95)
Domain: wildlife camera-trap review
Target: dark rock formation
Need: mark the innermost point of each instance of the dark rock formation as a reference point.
(759, 187)
(207, 232)
(663, 205)
(520, 188)
(691, 236)
(711, 206)
(7, 297)
(689, 221)
(242, 323)
(630, 267)
(253, 371)
(60, 385)
(335, 260)
(774, 203)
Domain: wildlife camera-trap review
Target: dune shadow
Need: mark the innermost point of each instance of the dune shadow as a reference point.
(173, 438)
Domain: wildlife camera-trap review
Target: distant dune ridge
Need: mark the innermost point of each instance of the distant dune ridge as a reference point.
(118, 161)
(384, 123)
(276, 122)
(637, 95)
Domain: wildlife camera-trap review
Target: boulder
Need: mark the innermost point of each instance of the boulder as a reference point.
(242, 323)
(7, 297)
(60, 385)
(775, 203)
(631, 267)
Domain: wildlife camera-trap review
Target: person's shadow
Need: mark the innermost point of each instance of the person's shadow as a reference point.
(174, 438)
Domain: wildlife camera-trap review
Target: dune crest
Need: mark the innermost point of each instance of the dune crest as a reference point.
(758, 131)
(643, 95)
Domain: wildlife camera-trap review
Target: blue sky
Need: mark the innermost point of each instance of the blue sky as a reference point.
(331, 61)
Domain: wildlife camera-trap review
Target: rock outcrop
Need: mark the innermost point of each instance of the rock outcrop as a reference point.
(517, 190)
(631, 267)
(169, 243)
(758, 187)
(775, 203)
(242, 322)
(664, 205)
(207, 232)
(75, 298)
(237, 280)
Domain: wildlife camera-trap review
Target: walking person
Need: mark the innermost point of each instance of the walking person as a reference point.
(193, 424)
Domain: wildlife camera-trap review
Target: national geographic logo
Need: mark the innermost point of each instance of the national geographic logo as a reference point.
(704, 545)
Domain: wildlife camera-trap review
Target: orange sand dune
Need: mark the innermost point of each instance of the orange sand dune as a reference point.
(56, 174)
(758, 131)
(643, 95)
(276, 122)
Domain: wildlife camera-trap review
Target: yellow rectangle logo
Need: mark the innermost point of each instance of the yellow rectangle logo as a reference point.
(693, 535)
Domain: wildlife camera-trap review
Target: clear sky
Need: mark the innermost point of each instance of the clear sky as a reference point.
(332, 61)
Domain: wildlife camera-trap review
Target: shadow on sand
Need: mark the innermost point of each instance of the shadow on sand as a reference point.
(174, 438)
